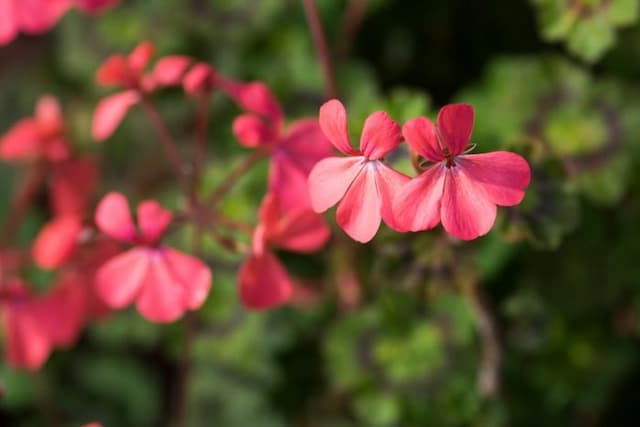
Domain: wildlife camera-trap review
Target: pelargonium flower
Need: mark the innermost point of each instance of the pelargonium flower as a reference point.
(460, 190)
(264, 281)
(361, 182)
(128, 73)
(39, 137)
(163, 282)
(293, 150)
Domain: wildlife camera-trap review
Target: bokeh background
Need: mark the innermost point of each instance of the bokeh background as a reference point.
(537, 323)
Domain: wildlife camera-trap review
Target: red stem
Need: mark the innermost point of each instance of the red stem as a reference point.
(200, 140)
(322, 49)
(235, 175)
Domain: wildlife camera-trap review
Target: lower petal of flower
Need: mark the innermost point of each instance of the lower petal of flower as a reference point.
(264, 282)
(359, 212)
(416, 206)
(119, 280)
(389, 182)
(330, 178)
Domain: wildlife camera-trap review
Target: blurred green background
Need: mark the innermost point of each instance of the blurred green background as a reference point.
(397, 337)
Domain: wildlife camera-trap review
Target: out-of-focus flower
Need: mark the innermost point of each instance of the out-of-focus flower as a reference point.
(361, 182)
(163, 282)
(461, 190)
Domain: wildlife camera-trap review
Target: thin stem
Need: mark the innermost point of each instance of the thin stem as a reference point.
(241, 169)
(29, 187)
(322, 49)
(200, 140)
(351, 23)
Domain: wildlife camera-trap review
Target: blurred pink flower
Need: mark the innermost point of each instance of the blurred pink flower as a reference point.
(361, 182)
(461, 190)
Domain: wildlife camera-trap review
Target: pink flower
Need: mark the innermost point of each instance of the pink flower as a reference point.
(128, 72)
(361, 182)
(201, 79)
(40, 137)
(163, 282)
(461, 190)
(293, 151)
(264, 281)
(95, 6)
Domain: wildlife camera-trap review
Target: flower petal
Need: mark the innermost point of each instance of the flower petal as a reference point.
(169, 70)
(333, 121)
(200, 79)
(95, 6)
(380, 135)
(330, 179)
(421, 135)
(72, 186)
(153, 220)
(114, 71)
(140, 56)
(255, 97)
(359, 212)
(465, 211)
(192, 274)
(455, 123)
(305, 144)
(288, 182)
(114, 219)
(8, 21)
(119, 281)
(301, 231)
(252, 131)
(49, 116)
(416, 206)
(64, 309)
(23, 141)
(27, 344)
(503, 175)
(162, 297)
(389, 182)
(264, 282)
(56, 241)
(110, 112)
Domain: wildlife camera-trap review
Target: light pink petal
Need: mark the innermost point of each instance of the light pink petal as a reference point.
(421, 136)
(301, 231)
(110, 112)
(120, 280)
(27, 344)
(163, 298)
(416, 206)
(255, 97)
(380, 135)
(153, 220)
(288, 182)
(56, 241)
(359, 212)
(466, 211)
(455, 123)
(114, 219)
(140, 57)
(37, 16)
(252, 131)
(23, 141)
(169, 70)
(192, 274)
(389, 182)
(96, 6)
(333, 122)
(8, 21)
(503, 175)
(200, 79)
(264, 282)
(114, 72)
(49, 116)
(330, 179)
(305, 144)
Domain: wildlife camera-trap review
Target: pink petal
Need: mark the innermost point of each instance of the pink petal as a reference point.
(192, 274)
(359, 212)
(56, 241)
(8, 21)
(27, 344)
(72, 186)
(305, 144)
(64, 309)
(114, 219)
(389, 182)
(455, 123)
(252, 131)
(333, 121)
(120, 280)
(254, 97)
(114, 72)
(380, 135)
(169, 70)
(49, 116)
(153, 220)
(301, 231)
(503, 175)
(264, 282)
(95, 6)
(37, 16)
(110, 112)
(23, 141)
(466, 211)
(421, 135)
(288, 182)
(270, 212)
(416, 206)
(140, 57)
(330, 179)
(56, 149)
(201, 78)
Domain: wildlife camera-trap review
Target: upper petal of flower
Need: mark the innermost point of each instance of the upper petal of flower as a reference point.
(110, 112)
(254, 97)
(37, 16)
(22, 141)
(56, 241)
(252, 131)
(288, 182)
(305, 144)
(416, 206)
(455, 124)
(49, 116)
(465, 211)
(140, 57)
(333, 121)
(389, 182)
(380, 135)
(163, 296)
(114, 219)
(192, 274)
(201, 78)
(330, 179)
(360, 211)
(264, 282)
(114, 72)
(421, 135)
(153, 220)
(503, 175)
(119, 281)
(169, 70)
(9, 22)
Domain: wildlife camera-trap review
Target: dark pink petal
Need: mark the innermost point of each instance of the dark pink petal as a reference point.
(26, 342)
(114, 219)
(503, 175)
(380, 135)
(416, 206)
(163, 297)
(421, 135)
(305, 144)
(301, 231)
(192, 274)
(330, 179)
(114, 72)
(94, 6)
(264, 282)
(389, 182)
(153, 220)
(23, 141)
(110, 112)
(56, 149)
(254, 97)
(359, 212)
(200, 79)
(72, 185)
(119, 281)
(455, 123)
(49, 116)
(270, 212)
(169, 70)
(56, 241)
(9, 22)
(466, 211)
(252, 131)
(63, 310)
(288, 182)
(333, 122)
(140, 57)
